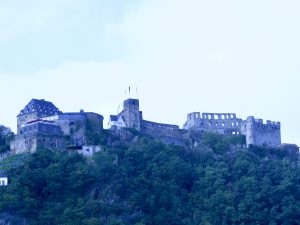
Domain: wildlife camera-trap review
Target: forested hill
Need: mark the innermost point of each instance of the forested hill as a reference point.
(147, 183)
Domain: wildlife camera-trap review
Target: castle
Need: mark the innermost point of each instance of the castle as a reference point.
(42, 125)
(256, 132)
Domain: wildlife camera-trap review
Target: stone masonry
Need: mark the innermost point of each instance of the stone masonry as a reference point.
(42, 125)
(256, 132)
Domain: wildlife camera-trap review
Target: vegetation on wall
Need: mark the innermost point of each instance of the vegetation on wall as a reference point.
(5, 137)
(92, 134)
(151, 183)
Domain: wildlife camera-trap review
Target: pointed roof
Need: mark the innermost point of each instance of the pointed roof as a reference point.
(113, 118)
(41, 107)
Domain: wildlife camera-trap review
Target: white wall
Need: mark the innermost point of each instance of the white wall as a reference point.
(3, 181)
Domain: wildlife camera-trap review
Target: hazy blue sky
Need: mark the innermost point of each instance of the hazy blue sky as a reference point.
(183, 55)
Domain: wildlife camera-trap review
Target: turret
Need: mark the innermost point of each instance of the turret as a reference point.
(248, 130)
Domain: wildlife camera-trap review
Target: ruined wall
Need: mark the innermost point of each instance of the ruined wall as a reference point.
(222, 123)
(30, 143)
(76, 125)
(38, 135)
(169, 134)
(23, 144)
(71, 123)
(261, 134)
(95, 121)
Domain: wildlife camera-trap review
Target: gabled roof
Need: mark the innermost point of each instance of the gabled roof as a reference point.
(41, 107)
(113, 118)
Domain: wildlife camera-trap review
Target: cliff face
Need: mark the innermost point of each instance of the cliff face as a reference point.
(11, 219)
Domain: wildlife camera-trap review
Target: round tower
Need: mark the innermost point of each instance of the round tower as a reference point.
(249, 130)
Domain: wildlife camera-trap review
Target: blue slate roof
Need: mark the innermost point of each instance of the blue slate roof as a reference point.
(41, 107)
(113, 118)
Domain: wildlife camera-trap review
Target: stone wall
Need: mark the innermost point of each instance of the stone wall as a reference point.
(261, 134)
(256, 132)
(29, 143)
(24, 119)
(75, 125)
(169, 134)
(222, 123)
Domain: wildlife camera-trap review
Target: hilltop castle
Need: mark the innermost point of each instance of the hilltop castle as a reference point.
(256, 132)
(42, 125)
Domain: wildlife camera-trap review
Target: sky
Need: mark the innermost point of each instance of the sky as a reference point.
(182, 55)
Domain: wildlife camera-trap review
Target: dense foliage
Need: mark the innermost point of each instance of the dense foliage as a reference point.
(5, 137)
(150, 183)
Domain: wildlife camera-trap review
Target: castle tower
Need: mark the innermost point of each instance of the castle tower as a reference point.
(131, 113)
(247, 129)
(34, 110)
(261, 134)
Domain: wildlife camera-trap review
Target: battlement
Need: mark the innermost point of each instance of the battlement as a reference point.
(259, 123)
(211, 116)
(256, 131)
(131, 102)
(262, 134)
(223, 123)
(155, 125)
(42, 117)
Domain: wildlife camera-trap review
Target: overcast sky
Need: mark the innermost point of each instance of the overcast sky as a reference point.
(183, 55)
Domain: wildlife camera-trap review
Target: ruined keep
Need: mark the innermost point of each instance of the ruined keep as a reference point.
(261, 134)
(256, 132)
(221, 123)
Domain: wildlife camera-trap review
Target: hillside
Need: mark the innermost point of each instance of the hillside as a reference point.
(147, 182)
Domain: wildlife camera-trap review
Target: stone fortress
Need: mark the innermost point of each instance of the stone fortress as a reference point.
(256, 132)
(42, 125)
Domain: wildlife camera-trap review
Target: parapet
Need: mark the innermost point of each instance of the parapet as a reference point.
(194, 115)
(131, 101)
(211, 116)
(269, 124)
(259, 121)
(149, 124)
